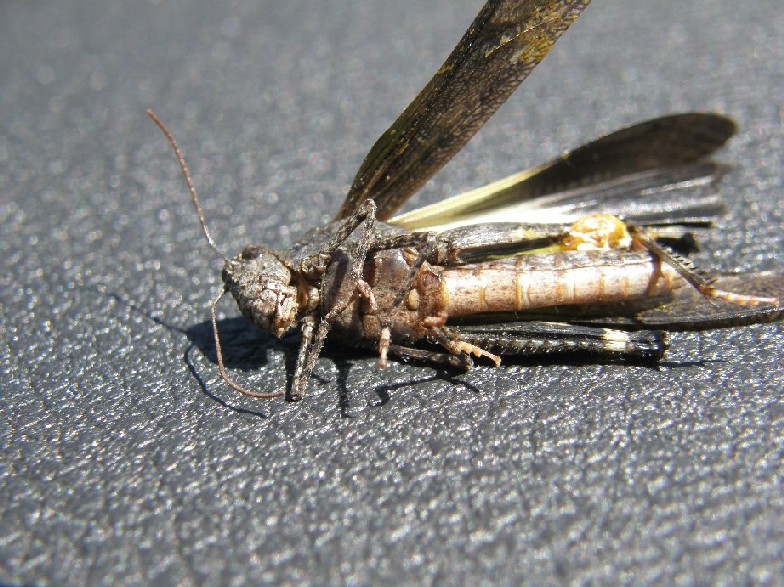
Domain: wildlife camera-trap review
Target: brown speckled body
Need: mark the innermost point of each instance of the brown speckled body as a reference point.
(516, 285)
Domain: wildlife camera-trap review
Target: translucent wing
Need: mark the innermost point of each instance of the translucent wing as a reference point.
(652, 172)
(505, 42)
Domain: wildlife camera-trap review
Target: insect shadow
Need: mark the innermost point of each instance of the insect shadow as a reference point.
(247, 349)
(199, 338)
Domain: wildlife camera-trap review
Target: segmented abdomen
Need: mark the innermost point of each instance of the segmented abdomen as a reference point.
(539, 281)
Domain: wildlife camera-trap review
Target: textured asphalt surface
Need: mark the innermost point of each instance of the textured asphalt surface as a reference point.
(125, 460)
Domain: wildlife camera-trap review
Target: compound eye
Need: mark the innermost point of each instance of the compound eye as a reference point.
(251, 252)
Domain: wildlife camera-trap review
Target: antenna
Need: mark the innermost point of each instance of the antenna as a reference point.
(187, 175)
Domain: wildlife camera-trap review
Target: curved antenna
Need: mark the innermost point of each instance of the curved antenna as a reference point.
(219, 354)
(187, 175)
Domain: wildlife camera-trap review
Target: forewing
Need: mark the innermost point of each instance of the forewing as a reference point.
(505, 42)
(631, 172)
(690, 310)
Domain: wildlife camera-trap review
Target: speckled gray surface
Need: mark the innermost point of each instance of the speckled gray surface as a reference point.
(124, 460)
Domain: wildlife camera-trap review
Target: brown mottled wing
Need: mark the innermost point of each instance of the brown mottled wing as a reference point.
(505, 42)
